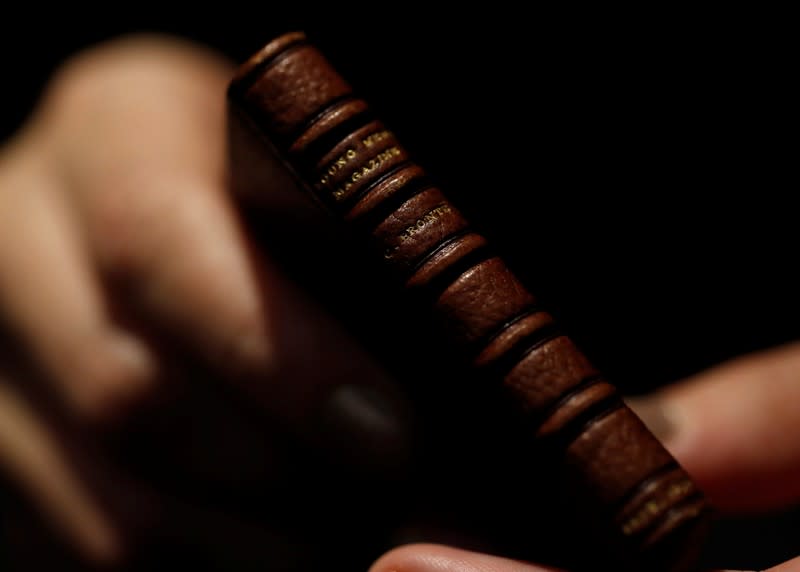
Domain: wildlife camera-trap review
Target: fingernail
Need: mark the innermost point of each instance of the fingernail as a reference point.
(367, 426)
(656, 415)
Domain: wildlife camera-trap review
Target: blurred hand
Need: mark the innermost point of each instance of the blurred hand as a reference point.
(126, 279)
(733, 428)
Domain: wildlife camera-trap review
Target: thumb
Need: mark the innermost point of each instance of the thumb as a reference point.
(791, 566)
(732, 428)
(437, 558)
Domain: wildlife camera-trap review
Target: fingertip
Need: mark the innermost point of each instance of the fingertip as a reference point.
(109, 374)
(251, 355)
(409, 558)
(438, 558)
(727, 426)
(790, 566)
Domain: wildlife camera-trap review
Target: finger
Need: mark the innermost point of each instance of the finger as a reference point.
(159, 218)
(436, 558)
(32, 457)
(103, 517)
(50, 297)
(733, 429)
(791, 566)
(146, 179)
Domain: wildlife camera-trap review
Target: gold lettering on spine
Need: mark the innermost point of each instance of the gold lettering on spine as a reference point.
(651, 509)
(376, 137)
(337, 165)
(334, 177)
(425, 220)
(372, 164)
(418, 226)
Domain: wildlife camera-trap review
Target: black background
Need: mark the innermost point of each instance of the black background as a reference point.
(635, 168)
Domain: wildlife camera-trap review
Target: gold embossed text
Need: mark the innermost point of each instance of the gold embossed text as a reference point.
(371, 165)
(339, 164)
(652, 508)
(420, 224)
(376, 137)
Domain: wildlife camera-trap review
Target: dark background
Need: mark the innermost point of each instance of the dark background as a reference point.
(633, 167)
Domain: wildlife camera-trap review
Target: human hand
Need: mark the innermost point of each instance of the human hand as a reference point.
(731, 427)
(126, 277)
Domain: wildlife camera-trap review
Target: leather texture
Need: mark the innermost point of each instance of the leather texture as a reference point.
(356, 167)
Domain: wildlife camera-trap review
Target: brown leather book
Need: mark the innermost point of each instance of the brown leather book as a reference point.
(305, 114)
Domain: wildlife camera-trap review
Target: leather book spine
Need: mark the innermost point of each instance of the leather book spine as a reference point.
(353, 164)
